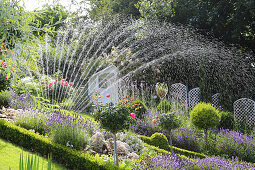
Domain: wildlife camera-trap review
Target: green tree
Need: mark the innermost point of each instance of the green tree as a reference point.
(107, 8)
(50, 18)
(14, 22)
(231, 21)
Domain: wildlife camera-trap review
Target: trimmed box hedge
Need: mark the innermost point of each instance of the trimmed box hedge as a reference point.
(69, 157)
(164, 145)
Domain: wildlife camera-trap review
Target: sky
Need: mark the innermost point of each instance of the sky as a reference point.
(31, 5)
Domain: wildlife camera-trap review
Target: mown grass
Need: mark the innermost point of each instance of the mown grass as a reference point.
(10, 157)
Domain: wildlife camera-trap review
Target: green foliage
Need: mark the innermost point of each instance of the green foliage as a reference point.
(72, 136)
(135, 143)
(113, 118)
(166, 106)
(14, 22)
(32, 163)
(140, 108)
(168, 121)
(70, 158)
(108, 8)
(160, 140)
(4, 98)
(31, 120)
(208, 16)
(226, 120)
(50, 18)
(164, 149)
(28, 84)
(204, 116)
(4, 84)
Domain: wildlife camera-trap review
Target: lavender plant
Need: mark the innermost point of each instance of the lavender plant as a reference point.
(187, 139)
(32, 119)
(21, 101)
(70, 130)
(235, 143)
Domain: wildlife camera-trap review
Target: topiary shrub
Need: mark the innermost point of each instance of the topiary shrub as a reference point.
(140, 108)
(226, 120)
(166, 106)
(205, 116)
(160, 140)
(169, 121)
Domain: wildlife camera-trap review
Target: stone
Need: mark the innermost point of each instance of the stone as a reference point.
(98, 142)
(122, 147)
(133, 155)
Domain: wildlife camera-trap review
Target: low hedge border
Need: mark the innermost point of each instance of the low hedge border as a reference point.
(69, 157)
(167, 147)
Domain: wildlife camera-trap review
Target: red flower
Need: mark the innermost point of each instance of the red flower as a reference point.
(6, 78)
(71, 84)
(108, 95)
(153, 121)
(132, 115)
(156, 116)
(4, 64)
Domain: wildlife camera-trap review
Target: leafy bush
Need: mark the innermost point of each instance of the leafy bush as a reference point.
(226, 120)
(204, 116)
(135, 143)
(28, 85)
(159, 139)
(31, 119)
(140, 108)
(233, 143)
(4, 98)
(168, 121)
(4, 84)
(166, 106)
(113, 118)
(186, 139)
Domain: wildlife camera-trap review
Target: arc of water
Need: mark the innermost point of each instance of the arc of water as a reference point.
(93, 64)
(66, 59)
(143, 66)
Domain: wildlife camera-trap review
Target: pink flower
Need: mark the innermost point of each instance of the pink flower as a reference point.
(44, 82)
(63, 80)
(6, 78)
(71, 84)
(108, 95)
(11, 69)
(154, 121)
(66, 83)
(4, 64)
(50, 84)
(156, 116)
(132, 115)
(55, 82)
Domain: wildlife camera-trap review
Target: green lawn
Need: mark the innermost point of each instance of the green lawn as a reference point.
(10, 155)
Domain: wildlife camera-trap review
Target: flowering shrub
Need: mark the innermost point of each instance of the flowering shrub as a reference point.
(32, 119)
(174, 161)
(237, 144)
(21, 101)
(144, 127)
(69, 130)
(28, 85)
(5, 72)
(57, 90)
(186, 139)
